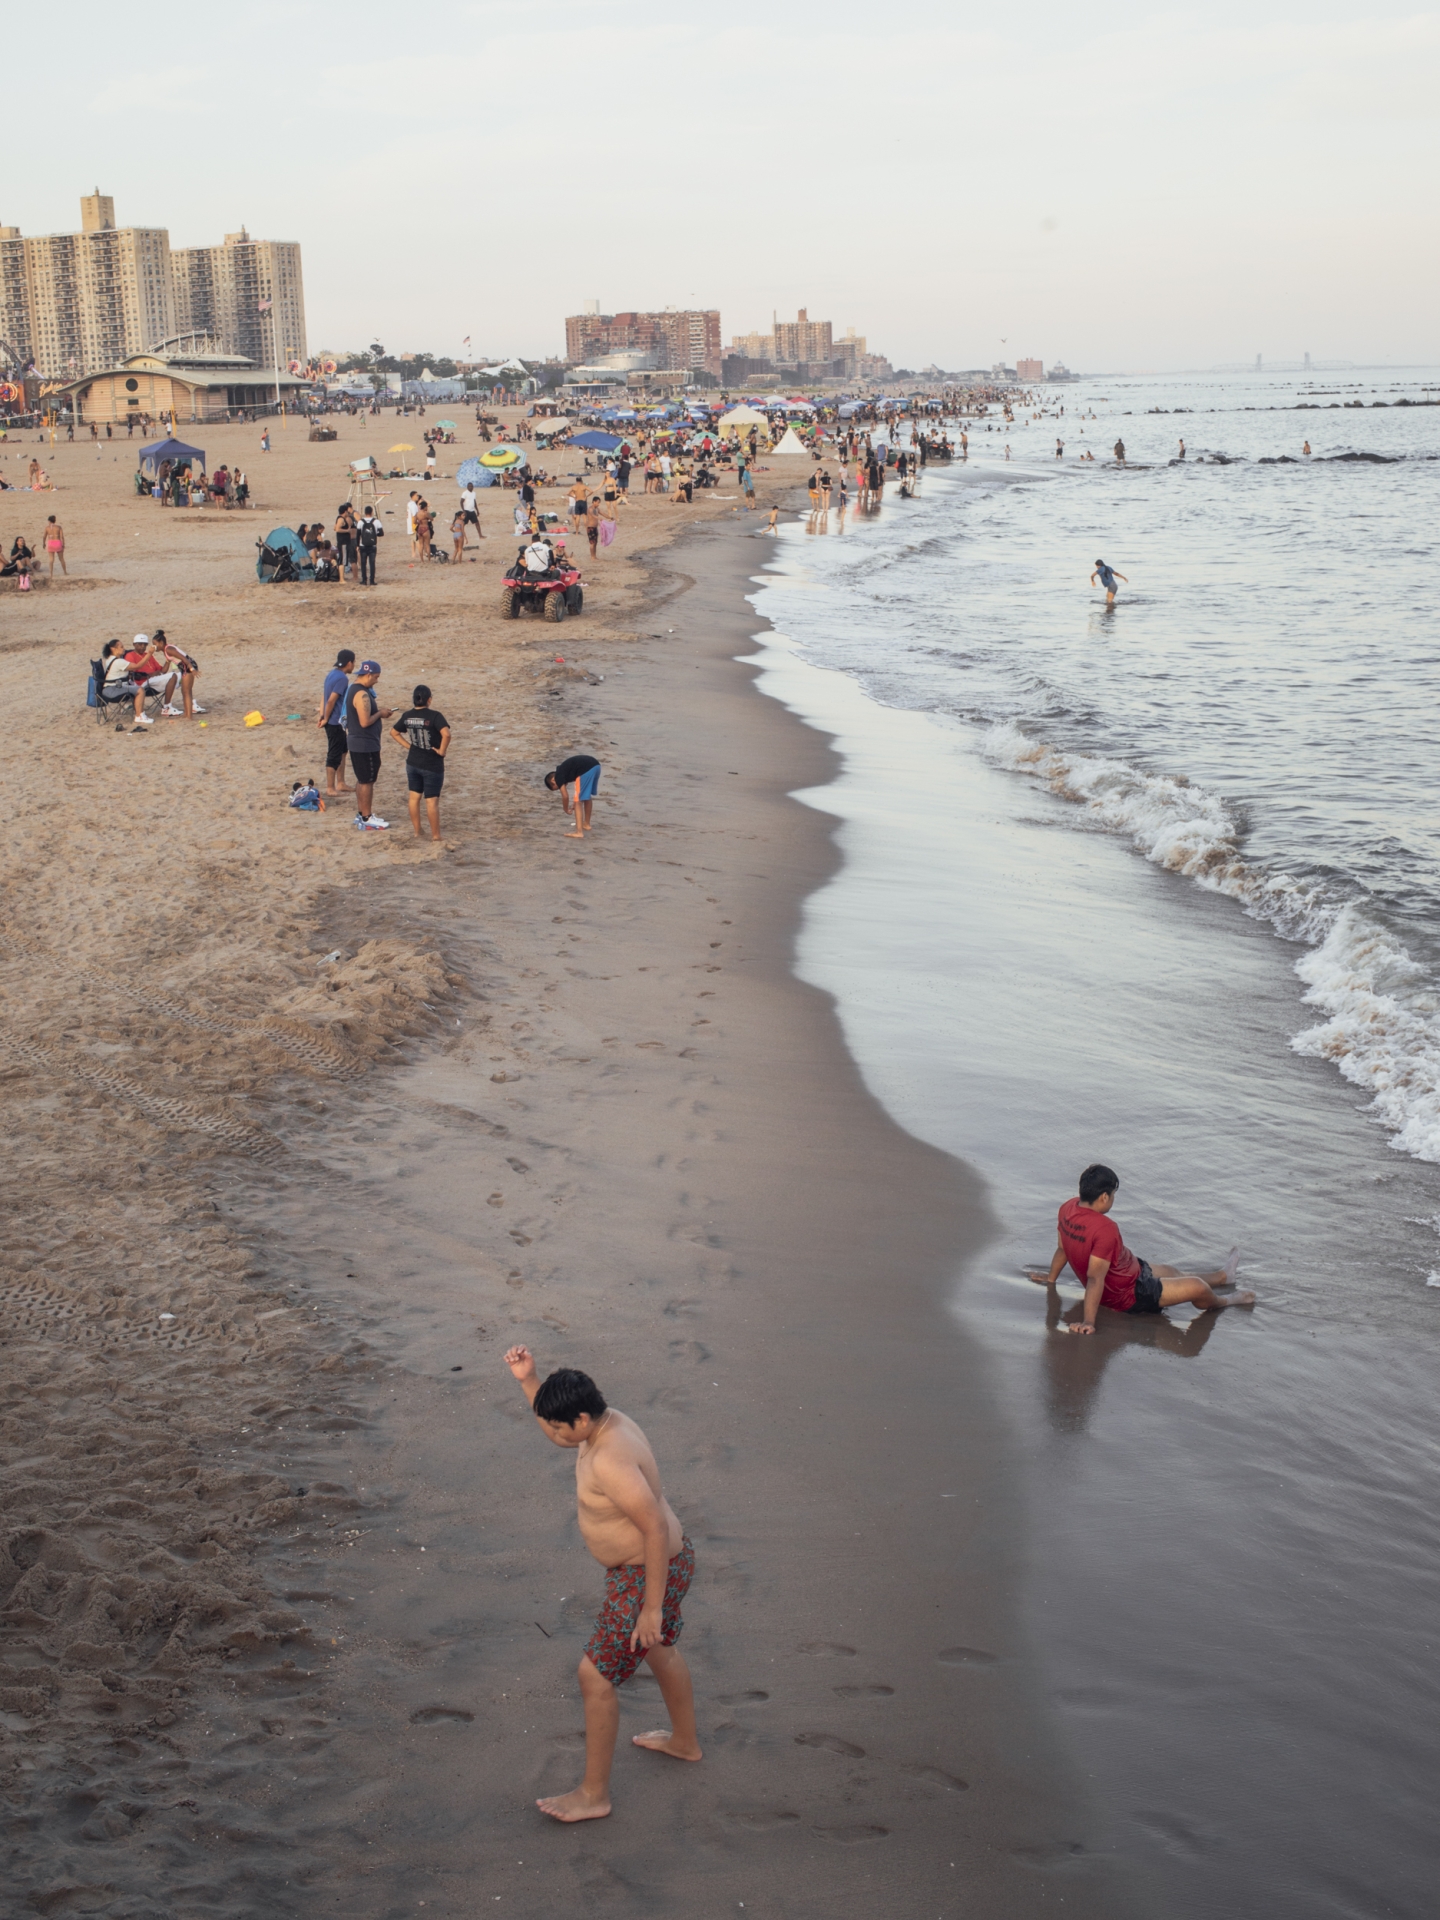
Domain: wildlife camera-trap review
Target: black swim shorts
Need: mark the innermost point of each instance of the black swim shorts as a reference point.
(336, 747)
(367, 767)
(426, 781)
(1147, 1291)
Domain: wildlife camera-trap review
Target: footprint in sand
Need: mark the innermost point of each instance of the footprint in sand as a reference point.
(691, 1350)
(763, 1819)
(1050, 1853)
(751, 1698)
(1175, 1834)
(936, 1777)
(864, 1693)
(830, 1650)
(830, 1743)
(851, 1836)
(965, 1657)
(428, 1716)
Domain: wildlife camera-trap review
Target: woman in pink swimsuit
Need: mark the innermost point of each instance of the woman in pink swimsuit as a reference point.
(55, 545)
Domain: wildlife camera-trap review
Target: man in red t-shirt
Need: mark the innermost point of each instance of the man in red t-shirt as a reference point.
(1089, 1242)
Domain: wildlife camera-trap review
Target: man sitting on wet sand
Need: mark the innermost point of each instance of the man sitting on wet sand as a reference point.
(1112, 1276)
(630, 1528)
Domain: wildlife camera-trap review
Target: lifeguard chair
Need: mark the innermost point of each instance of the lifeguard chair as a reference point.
(365, 478)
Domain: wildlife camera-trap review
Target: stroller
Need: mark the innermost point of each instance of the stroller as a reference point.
(282, 557)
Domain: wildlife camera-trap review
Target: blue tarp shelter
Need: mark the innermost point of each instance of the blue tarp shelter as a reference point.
(595, 441)
(282, 556)
(161, 450)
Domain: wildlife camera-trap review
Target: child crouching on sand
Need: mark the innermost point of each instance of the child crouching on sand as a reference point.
(1089, 1241)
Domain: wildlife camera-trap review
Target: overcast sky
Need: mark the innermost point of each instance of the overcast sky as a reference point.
(1114, 185)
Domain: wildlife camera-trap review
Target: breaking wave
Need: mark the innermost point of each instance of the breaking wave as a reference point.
(1381, 1012)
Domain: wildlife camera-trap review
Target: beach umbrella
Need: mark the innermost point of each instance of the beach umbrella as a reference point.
(448, 425)
(402, 447)
(498, 457)
(597, 442)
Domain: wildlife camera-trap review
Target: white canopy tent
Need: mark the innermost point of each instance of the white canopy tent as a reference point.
(790, 442)
(740, 418)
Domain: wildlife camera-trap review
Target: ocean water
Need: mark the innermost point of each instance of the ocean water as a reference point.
(1154, 886)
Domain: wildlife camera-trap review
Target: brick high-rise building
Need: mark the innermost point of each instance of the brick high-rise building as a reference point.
(71, 302)
(680, 340)
(78, 303)
(221, 291)
(1031, 371)
(803, 339)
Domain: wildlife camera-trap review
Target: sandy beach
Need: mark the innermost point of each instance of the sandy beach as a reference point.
(311, 1125)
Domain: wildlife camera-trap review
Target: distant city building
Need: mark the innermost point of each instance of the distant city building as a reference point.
(805, 349)
(1030, 370)
(677, 340)
(78, 303)
(223, 292)
(803, 340)
(754, 346)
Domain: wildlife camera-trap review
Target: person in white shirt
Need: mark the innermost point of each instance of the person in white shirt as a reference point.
(412, 508)
(539, 556)
(470, 513)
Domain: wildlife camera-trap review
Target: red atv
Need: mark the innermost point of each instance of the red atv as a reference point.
(555, 592)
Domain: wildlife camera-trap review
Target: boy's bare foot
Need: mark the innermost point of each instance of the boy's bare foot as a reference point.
(1238, 1300)
(662, 1740)
(569, 1807)
(575, 836)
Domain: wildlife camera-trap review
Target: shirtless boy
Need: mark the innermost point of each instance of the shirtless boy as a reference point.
(1111, 1274)
(628, 1524)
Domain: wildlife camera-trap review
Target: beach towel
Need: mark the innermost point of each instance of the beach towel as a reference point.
(607, 532)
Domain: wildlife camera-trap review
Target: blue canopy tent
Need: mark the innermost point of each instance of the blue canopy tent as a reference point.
(162, 450)
(470, 473)
(597, 442)
(282, 556)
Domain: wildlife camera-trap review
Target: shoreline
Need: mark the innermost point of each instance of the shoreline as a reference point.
(1031, 997)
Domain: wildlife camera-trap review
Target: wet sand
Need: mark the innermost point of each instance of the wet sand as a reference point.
(566, 1094)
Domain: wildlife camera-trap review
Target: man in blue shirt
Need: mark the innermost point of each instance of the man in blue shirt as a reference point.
(1107, 577)
(331, 722)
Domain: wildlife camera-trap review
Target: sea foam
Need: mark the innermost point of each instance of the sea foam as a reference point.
(1381, 1025)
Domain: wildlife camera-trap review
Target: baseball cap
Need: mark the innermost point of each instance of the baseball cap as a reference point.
(368, 666)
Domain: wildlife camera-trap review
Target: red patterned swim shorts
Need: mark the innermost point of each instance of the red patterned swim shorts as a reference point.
(609, 1649)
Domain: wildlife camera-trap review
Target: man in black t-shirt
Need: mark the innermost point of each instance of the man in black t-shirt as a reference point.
(427, 735)
(575, 780)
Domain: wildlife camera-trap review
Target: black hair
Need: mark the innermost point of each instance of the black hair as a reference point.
(550, 783)
(421, 697)
(566, 1395)
(344, 655)
(1097, 1180)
